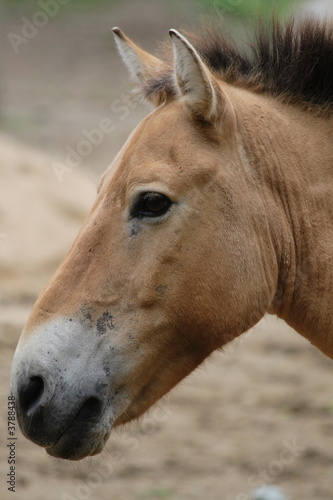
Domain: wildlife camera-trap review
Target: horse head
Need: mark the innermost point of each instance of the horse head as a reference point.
(174, 260)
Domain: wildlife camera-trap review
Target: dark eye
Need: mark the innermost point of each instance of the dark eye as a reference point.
(151, 205)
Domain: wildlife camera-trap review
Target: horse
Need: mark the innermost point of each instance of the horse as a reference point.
(216, 211)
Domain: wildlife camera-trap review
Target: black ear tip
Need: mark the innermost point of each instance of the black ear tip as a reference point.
(177, 36)
(117, 31)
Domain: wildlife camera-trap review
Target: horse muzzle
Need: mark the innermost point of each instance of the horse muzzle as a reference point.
(68, 426)
(64, 388)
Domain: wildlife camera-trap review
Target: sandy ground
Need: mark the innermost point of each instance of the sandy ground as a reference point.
(259, 412)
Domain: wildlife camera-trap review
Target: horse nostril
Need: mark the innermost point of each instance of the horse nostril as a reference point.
(30, 395)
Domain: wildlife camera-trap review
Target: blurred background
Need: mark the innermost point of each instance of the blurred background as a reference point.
(259, 413)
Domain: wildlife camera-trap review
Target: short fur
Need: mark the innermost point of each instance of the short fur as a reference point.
(143, 297)
(293, 62)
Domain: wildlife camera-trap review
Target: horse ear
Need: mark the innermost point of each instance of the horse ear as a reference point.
(198, 86)
(141, 65)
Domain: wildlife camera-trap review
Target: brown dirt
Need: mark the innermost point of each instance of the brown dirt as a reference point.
(262, 411)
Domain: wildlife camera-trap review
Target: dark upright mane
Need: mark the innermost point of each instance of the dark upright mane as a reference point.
(292, 61)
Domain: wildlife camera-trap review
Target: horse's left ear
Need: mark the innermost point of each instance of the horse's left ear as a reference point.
(198, 87)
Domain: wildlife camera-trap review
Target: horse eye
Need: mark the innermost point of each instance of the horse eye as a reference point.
(151, 205)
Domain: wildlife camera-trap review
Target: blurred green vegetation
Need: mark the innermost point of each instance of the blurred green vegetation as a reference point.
(251, 8)
(157, 493)
(245, 8)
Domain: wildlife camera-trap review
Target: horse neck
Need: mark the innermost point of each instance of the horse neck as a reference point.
(291, 153)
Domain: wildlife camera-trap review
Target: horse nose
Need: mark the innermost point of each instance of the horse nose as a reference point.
(53, 416)
(31, 395)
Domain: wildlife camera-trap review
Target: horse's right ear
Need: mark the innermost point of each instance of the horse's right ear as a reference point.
(141, 65)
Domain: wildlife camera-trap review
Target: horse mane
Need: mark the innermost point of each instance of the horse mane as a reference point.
(292, 61)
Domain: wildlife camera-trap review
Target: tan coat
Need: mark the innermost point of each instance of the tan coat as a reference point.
(217, 210)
